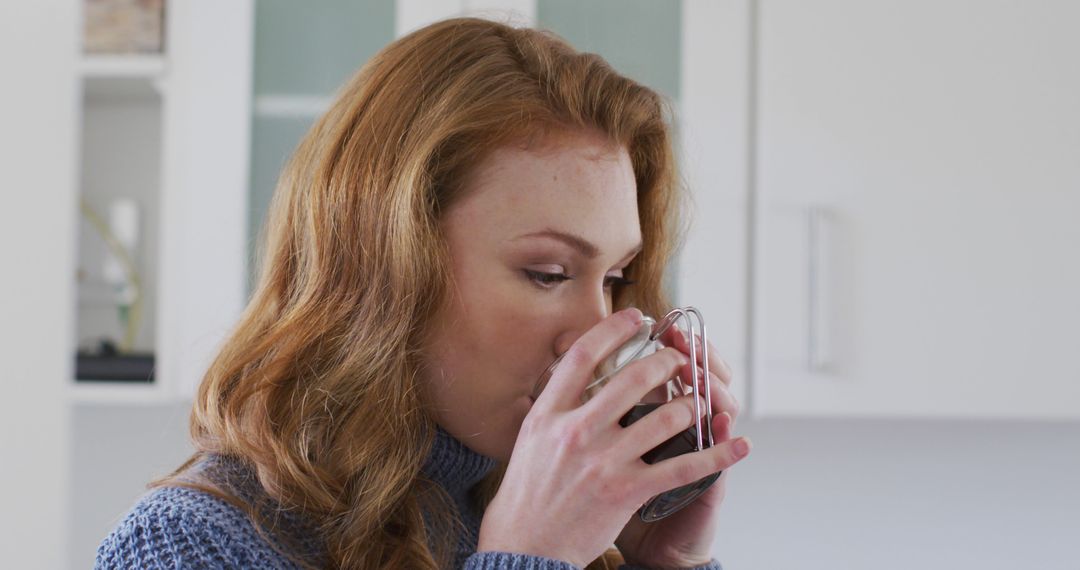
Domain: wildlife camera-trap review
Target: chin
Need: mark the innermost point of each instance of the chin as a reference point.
(504, 456)
(499, 448)
(500, 432)
(503, 447)
(512, 430)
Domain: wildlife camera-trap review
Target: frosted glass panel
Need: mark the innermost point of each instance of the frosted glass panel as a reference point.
(311, 47)
(639, 37)
(272, 142)
(304, 51)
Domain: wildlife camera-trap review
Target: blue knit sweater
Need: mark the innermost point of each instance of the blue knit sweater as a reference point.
(176, 527)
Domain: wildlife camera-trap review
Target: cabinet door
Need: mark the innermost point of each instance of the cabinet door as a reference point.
(712, 266)
(204, 176)
(917, 208)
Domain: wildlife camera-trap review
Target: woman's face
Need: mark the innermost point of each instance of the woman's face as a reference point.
(537, 240)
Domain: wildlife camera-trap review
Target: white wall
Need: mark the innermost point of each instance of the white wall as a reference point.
(37, 213)
(116, 451)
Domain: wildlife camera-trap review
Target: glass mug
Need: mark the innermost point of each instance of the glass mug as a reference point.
(645, 342)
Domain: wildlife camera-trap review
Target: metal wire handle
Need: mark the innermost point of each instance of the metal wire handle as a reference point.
(663, 325)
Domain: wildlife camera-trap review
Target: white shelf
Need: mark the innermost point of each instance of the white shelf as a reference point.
(98, 392)
(149, 66)
(122, 77)
(292, 106)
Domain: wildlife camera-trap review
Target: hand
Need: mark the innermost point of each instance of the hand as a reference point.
(685, 538)
(576, 476)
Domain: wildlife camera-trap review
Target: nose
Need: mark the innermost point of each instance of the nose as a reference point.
(580, 315)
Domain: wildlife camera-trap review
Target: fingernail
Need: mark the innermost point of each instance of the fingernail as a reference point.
(634, 314)
(741, 447)
(727, 418)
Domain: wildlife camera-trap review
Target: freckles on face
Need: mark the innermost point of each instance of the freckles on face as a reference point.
(502, 328)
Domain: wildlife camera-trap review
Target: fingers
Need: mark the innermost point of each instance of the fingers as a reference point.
(633, 382)
(723, 401)
(720, 372)
(689, 467)
(676, 337)
(722, 426)
(669, 420)
(649, 374)
(661, 424)
(722, 398)
(574, 370)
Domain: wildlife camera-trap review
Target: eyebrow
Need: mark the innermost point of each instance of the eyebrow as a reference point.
(582, 245)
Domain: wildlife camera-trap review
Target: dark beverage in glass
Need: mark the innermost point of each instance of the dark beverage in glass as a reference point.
(671, 501)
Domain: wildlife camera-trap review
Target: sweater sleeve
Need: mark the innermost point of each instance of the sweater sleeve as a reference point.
(511, 561)
(175, 528)
(490, 560)
(713, 564)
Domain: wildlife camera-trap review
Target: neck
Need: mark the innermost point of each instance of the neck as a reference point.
(455, 466)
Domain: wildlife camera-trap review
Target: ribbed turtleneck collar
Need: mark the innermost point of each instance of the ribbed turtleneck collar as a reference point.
(454, 466)
(449, 464)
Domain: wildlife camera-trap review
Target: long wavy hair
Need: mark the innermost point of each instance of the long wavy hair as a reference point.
(317, 388)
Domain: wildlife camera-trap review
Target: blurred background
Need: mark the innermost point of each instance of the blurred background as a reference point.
(884, 244)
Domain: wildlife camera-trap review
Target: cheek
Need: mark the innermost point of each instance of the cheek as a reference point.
(487, 345)
(492, 349)
(503, 337)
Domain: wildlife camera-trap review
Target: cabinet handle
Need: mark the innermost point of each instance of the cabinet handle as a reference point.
(816, 345)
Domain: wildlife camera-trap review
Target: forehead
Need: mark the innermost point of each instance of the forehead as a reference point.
(579, 184)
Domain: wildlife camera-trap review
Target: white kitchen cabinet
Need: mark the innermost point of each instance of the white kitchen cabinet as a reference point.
(916, 209)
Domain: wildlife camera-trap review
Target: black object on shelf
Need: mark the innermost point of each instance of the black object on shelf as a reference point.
(108, 365)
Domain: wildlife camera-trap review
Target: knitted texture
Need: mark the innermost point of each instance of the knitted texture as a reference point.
(176, 527)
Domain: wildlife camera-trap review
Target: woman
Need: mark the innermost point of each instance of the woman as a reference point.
(478, 201)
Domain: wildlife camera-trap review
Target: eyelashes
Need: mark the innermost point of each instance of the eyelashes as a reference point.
(550, 280)
(546, 280)
(616, 281)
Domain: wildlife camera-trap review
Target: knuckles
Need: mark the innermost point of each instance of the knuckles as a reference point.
(686, 473)
(608, 486)
(724, 460)
(674, 419)
(532, 422)
(736, 407)
(675, 357)
(664, 363)
(576, 357)
(724, 401)
(572, 437)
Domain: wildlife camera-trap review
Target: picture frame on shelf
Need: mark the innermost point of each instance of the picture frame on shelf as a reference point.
(123, 26)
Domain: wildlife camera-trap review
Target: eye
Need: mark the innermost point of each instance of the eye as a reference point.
(617, 281)
(545, 280)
